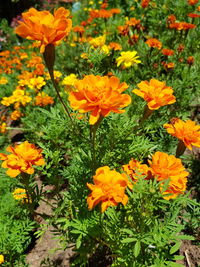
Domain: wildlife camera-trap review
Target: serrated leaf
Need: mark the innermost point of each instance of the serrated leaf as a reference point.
(128, 231)
(137, 248)
(175, 248)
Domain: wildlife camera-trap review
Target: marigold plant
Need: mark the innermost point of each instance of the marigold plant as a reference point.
(186, 131)
(99, 96)
(153, 42)
(45, 27)
(155, 93)
(21, 159)
(108, 188)
(167, 167)
(20, 194)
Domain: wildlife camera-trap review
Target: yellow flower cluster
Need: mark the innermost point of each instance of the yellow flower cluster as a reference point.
(3, 80)
(19, 96)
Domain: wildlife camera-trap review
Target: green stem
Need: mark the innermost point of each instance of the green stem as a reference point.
(49, 58)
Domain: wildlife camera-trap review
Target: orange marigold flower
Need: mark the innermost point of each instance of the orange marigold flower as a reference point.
(171, 19)
(21, 159)
(168, 66)
(79, 29)
(167, 167)
(182, 26)
(135, 169)
(115, 46)
(133, 22)
(99, 96)
(42, 99)
(108, 188)
(190, 60)
(123, 30)
(45, 27)
(155, 93)
(193, 15)
(145, 3)
(193, 2)
(180, 48)
(188, 132)
(115, 11)
(15, 115)
(155, 43)
(167, 52)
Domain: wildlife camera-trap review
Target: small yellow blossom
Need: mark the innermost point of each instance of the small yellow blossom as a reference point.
(3, 80)
(56, 73)
(84, 55)
(98, 41)
(3, 127)
(20, 194)
(127, 59)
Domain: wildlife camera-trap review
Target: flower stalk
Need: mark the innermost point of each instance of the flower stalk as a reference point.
(49, 58)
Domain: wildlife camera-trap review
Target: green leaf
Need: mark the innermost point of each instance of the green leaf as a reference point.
(185, 237)
(175, 248)
(174, 264)
(178, 257)
(129, 240)
(128, 231)
(137, 248)
(78, 241)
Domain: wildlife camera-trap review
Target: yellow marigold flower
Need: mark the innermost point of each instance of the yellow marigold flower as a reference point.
(3, 80)
(155, 93)
(105, 49)
(135, 169)
(21, 159)
(1, 258)
(20, 194)
(186, 131)
(99, 96)
(57, 74)
(84, 55)
(3, 127)
(36, 83)
(98, 41)
(155, 43)
(127, 59)
(43, 99)
(69, 82)
(15, 115)
(167, 167)
(44, 27)
(108, 188)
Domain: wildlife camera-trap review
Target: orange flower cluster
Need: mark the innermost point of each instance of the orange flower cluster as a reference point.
(21, 159)
(115, 46)
(188, 132)
(45, 27)
(99, 96)
(155, 43)
(108, 188)
(182, 26)
(103, 13)
(135, 169)
(167, 167)
(42, 99)
(155, 93)
(193, 15)
(79, 29)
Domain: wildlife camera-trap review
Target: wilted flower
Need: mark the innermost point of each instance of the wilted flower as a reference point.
(99, 96)
(108, 189)
(155, 93)
(186, 131)
(45, 27)
(153, 42)
(190, 60)
(21, 159)
(167, 167)
(127, 59)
